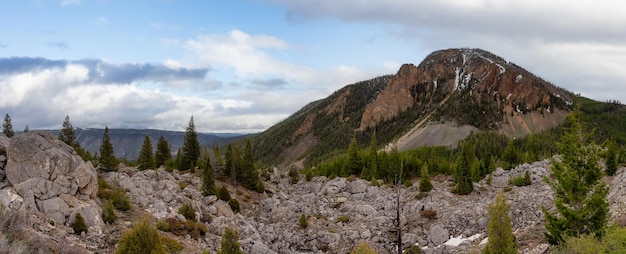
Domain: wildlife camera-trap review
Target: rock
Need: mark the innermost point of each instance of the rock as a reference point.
(438, 234)
(358, 186)
(9, 198)
(51, 178)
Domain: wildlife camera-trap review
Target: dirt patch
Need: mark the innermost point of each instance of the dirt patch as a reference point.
(435, 134)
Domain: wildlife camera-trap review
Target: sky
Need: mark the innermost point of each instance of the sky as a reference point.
(242, 66)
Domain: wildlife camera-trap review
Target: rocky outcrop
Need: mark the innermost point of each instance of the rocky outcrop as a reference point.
(46, 177)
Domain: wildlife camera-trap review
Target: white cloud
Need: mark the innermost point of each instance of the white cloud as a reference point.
(577, 45)
(70, 2)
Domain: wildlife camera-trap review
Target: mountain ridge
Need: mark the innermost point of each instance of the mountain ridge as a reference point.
(464, 90)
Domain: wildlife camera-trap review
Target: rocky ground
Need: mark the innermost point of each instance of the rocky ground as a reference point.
(50, 184)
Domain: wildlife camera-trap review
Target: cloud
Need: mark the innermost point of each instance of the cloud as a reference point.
(58, 44)
(102, 21)
(576, 45)
(274, 83)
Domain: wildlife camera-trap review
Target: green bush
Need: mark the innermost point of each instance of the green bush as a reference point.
(363, 248)
(120, 199)
(234, 205)
(141, 239)
(343, 219)
(108, 215)
(429, 214)
(170, 245)
(303, 222)
(79, 225)
(223, 194)
(614, 241)
(230, 242)
(187, 227)
(520, 180)
(188, 211)
(163, 226)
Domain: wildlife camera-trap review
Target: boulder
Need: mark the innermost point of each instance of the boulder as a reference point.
(438, 234)
(51, 178)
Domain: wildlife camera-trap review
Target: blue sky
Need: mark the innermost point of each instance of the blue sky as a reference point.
(242, 66)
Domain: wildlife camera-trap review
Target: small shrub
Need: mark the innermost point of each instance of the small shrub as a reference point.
(293, 176)
(363, 248)
(223, 194)
(79, 225)
(188, 211)
(413, 250)
(343, 219)
(429, 214)
(229, 244)
(375, 182)
(108, 214)
(408, 183)
(187, 227)
(120, 199)
(508, 188)
(308, 176)
(421, 195)
(170, 245)
(239, 192)
(141, 239)
(303, 222)
(206, 217)
(520, 180)
(336, 205)
(234, 205)
(182, 185)
(489, 179)
(350, 178)
(163, 226)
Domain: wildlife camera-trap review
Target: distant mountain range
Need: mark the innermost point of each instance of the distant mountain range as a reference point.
(450, 94)
(127, 142)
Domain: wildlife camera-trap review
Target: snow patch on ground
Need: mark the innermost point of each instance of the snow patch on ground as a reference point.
(456, 241)
(508, 96)
(457, 71)
(518, 78)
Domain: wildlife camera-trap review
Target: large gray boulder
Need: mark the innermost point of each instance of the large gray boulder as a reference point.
(51, 178)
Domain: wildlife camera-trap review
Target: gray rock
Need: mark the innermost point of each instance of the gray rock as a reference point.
(56, 209)
(438, 234)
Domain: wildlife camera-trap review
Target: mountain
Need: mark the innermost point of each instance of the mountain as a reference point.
(450, 94)
(127, 142)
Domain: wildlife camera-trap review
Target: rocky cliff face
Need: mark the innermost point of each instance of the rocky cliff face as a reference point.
(475, 79)
(47, 179)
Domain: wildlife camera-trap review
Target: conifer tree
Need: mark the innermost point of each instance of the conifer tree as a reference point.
(191, 147)
(230, 242)
(108, 162)
(7, 127)
(580, 197)
(145, 159)
(371, 169)
(353, 163)
(163, 152)
(248, 174)
(425, 184)
(208, 183)
(611, 159)
(217, 157)
(510, 154)
(26, 129)
(67, 134)
(463, 176)
(499, 228)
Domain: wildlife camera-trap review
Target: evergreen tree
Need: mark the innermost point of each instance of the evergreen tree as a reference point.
(230, 242)
(67, 134)
(249, 175)
(217, 158)
(579, 194)
(26, 129)
(145, 159)
(208, 183)
(7, 127)
(353, 163)
(230, 169)
(425, 184)
(611, 158)
(191, 147)
(163, 152)
(371, 170)
(510, 154)
(108, 162)
(463, 176)
(499, 228)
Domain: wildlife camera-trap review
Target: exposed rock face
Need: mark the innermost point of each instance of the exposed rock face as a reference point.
(45, 176)
(497, 86)
(4, 143)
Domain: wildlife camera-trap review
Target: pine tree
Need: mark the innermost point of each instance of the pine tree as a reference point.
(580, 197)
(510, 154)
(230, 242)
(611, 159)
(7, 127)
(425, 184)
(229, 168)
(26, 129)
(249, 175)
(145, 159)
(163, 153)
(463, 176)
(371, 169)
(67, 134)
(208, 183)
(191, 147)
(108, 162)
(353, 163)
(499, 228)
